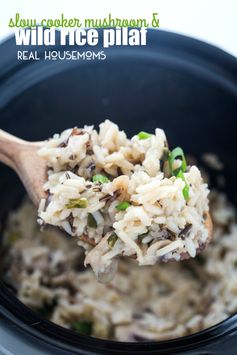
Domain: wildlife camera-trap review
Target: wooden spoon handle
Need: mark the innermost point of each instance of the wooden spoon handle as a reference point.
(9, 148)
(22, 156)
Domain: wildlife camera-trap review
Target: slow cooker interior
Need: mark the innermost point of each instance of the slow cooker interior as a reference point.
(196, 112)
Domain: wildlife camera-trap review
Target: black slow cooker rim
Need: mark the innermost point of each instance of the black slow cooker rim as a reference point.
(32, 323)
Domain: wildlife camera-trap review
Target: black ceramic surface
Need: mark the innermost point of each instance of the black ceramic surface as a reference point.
(182, 85)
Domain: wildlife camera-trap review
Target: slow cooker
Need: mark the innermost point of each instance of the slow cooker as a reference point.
(185, 86)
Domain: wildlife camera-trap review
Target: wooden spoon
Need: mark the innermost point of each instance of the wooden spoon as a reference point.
(22, 156)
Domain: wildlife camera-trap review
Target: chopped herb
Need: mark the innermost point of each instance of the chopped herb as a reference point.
(91, 221)
(112, 240)
(186, 187)
(77, 203)
(100, 178)
(186, 191)
(122, 206)
(177, 153)
(235, 263)
(179, 173)
(83, 327)
(144, 135)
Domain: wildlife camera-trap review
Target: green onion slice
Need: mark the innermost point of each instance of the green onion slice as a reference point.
(122, 206)
(144, 135)
(112, 240)
(77, 203)
(84, 327)
(177, 153)
(91, 221)
(186, 192)
(100, 178)
(180, 175)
